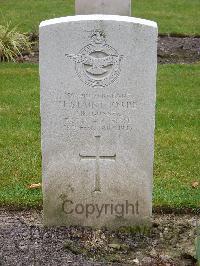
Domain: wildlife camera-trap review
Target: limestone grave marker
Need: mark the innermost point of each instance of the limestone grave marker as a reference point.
(109, 7)
(98, 87)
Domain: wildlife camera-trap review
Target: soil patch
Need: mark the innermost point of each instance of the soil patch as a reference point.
(171, 50)
(25, 241)
(177, 50)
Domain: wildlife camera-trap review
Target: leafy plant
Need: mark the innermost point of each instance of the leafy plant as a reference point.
(12, 43)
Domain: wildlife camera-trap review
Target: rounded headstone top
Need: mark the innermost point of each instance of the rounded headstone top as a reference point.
(98, 17)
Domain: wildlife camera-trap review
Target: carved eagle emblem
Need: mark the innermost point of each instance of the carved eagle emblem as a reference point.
(97, 64)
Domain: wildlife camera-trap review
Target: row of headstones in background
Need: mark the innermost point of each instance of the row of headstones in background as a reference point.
(98, 89)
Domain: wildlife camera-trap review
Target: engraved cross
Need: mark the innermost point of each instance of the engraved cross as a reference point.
(97, 159)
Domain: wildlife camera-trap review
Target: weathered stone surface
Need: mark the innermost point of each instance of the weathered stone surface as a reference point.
(109, 7)
(98, 80)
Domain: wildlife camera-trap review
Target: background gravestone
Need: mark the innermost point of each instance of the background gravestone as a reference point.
(98, 80)
(114, 7)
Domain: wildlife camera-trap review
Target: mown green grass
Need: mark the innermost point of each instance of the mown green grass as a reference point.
(28, 14)
(177, 148)
(180, 16)
(19, 134)
(172, 16)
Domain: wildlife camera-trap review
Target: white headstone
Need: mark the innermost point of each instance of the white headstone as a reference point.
(98, 89)
(109, 7)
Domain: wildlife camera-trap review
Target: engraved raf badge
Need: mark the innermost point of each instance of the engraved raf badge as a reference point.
(97, 64)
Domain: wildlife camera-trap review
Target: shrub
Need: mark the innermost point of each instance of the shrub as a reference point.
(12, 43)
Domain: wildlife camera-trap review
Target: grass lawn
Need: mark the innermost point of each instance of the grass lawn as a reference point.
(177, 149)
(180, 16)
(19, 134)
(172, 16)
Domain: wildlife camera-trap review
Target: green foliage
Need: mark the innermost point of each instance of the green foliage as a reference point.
(172, 16)
(29, 13)
(177, 145)
(12, 43)
(177, 16)
(20, 156)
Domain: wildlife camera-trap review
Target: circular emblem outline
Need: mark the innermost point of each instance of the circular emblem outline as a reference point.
(97, 64)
